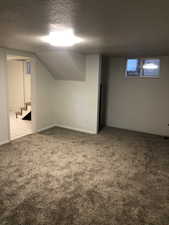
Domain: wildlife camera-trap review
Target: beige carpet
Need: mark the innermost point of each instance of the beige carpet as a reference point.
(61, 177)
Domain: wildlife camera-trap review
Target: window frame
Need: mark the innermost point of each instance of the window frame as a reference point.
(141, 68)
(126, 72)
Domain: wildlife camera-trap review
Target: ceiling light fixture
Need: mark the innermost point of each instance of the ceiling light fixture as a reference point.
(62, 38)
(150, 66)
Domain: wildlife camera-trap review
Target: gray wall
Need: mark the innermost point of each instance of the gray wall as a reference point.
(140, 104)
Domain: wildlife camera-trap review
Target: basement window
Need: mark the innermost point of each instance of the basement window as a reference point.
(28, 67)
(143, 67)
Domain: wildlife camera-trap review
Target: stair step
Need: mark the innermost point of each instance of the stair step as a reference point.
(25, 108)
(27, 103)
(18, 113)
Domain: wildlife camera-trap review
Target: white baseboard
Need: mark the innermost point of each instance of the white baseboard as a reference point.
(76, 129)
(45, 128)
(4, 142)
(57, 125)
(139, 131)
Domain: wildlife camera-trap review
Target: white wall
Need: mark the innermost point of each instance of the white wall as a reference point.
(27, 84)
(71, 104)
(64, 65)
(42, 98)
(19, 85)
(42, 95)
(76, 102)
(4, 125)
(140, 104)
(15, 85)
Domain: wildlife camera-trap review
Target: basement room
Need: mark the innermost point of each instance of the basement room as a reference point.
(84, 112)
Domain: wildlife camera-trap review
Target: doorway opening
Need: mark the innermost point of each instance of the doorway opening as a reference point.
(19, 96)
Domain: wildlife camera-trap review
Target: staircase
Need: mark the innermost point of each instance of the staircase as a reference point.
(25, 112)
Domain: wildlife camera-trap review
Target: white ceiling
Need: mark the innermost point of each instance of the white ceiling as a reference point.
(115, 27)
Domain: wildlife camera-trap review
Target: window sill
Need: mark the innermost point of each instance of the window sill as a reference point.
(142, 77)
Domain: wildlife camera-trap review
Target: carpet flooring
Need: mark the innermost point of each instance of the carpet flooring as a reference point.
(62, 177)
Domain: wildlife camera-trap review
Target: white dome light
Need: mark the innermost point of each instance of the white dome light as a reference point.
(62, 38)
(150, 66)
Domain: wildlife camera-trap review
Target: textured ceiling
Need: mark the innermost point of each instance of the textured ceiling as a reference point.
(119, 27)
